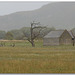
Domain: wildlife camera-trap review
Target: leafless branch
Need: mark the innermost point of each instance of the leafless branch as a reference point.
(35, 36)
(29, 40)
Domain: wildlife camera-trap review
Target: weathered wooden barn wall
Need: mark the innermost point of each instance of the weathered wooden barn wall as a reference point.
(65, 38)
(51, 41)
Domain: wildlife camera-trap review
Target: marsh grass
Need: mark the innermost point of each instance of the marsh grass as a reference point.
(41, 59)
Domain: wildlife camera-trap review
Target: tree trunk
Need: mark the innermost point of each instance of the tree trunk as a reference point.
(33, 45)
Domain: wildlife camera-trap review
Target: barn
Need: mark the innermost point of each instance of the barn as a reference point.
(58, 37)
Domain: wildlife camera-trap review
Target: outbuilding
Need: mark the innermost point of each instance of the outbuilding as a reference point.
(58, 37)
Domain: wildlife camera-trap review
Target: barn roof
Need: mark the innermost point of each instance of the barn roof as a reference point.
(71, 34)
(52, 34)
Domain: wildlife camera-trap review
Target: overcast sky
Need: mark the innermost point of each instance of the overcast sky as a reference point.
(11, 7)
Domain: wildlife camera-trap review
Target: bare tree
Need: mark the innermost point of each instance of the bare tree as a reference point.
(34, 34)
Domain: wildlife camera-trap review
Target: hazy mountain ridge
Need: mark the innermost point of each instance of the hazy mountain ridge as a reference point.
(58, 14)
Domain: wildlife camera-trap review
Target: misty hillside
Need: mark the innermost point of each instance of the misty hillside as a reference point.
(58, 14)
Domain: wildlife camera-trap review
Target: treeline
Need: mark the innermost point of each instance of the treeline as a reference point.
(19, 34)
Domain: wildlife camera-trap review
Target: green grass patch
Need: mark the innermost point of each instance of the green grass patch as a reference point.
(23, 58)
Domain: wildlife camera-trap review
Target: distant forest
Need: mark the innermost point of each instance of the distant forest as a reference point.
(17, 34)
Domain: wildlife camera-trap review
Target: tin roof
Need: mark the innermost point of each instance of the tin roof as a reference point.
(71, 34)
(57, 33)
(52, 34)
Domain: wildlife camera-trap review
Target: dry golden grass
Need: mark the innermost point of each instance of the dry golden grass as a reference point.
(41, 59)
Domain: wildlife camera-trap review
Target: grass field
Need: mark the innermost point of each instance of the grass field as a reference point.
(41, 59)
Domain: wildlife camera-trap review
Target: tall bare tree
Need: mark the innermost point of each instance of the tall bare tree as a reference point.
(33, 35)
